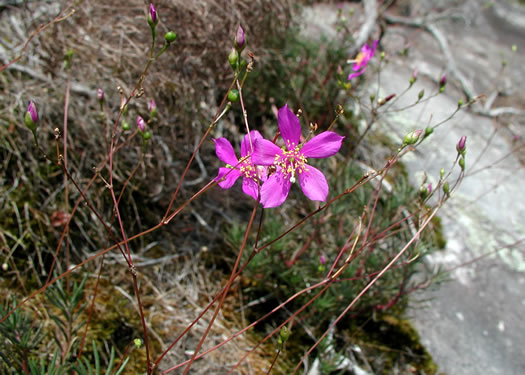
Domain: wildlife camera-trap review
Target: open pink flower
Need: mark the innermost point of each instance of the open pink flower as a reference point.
(362, 59)
(236, 168)
(290, 162)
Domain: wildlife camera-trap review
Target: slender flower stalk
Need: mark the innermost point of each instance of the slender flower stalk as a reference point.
(362, 59)
(252, 175)
(291, 162)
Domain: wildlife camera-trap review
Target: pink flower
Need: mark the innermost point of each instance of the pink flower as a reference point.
(362, 59)
(236, 168)
(291, 161)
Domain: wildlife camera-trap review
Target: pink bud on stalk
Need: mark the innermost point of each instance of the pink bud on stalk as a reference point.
(322, 260)
(31, 116)
(442, 83)
(152, 107)
(461, 147)
(100, 95)
(413, 78)
(412, 137)
(141, 124)
(153, 18)
(240, 39)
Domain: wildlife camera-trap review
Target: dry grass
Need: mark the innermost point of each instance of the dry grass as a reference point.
(110, 41)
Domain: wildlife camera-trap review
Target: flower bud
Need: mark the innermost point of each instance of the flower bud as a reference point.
(413, 78)
(461, 147)
(442, 83)
(443, 80)
(372, 98)
(283, 336)
(412, 137)
(428, 131)
(442, 173)
(137, 342)
(153, 18)
(152, 108)
(446, 188)
(146, 135)
(424, 192)
(31, 116)
(100, 95)
(170, 37)
(240, 39)
(233, 95)
(461, 163)
(420, 95)
(460, 103)
(233, 59)
(141, 124)
(322, 259)
(125, 125)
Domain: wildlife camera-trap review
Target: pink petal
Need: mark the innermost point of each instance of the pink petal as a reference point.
(275, 190)
(323, 145)
(246, 147)
(313, 183)
(250, 187)
(229, 175)
(289, 126)
(265, 151)
(224, 151)
(353, 75)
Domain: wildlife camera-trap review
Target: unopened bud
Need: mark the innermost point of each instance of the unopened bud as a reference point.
(240, 39)
(420, 95)
(461, 147)
(31, 116)
(413, 78)
(425, 191)
(442, 173)
(100, 95)
(125, 125)
(514, 48)
(153, 18)
(372, 98)
(283, 336)
(233, 59)
(170, 37)
(446, 188)
(137, 342)
(382, 56)
(233, 95)
(428, 131)
(322, 259)
(443, 81)
(461, 163)
(141, 124)
(460, 103)
(412, 137)
(146, 135)
(152, 107)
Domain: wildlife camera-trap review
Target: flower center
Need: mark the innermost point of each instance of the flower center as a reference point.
(291, 162)
(247, 168)
(359, 58)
